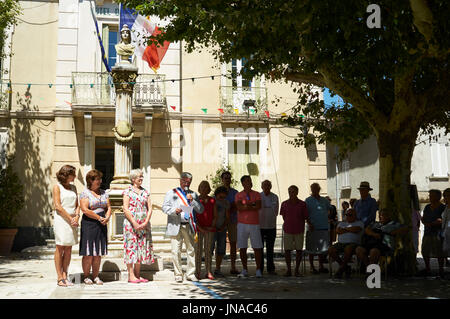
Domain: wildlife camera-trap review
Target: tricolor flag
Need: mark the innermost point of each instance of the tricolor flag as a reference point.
(141, 30)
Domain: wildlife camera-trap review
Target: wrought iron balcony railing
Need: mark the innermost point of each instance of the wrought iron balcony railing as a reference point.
(232, 100)
(95, 88)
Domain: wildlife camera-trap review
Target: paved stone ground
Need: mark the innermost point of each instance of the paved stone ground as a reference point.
(26, 278)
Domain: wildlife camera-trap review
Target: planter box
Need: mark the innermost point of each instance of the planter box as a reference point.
(7, 236)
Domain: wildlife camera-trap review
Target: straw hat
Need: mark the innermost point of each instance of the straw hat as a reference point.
(365, 185)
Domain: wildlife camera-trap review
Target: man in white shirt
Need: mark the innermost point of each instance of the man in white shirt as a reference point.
(268, 223)
(350, 233)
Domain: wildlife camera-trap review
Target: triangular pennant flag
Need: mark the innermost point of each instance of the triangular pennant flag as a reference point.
(236, 111)
(267, 113)
(50, 86)
(173, 107)
(221, 111)
(205, 110)
(68, 103)
(252, 110)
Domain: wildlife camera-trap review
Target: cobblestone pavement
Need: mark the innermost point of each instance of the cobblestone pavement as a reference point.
(22, 278)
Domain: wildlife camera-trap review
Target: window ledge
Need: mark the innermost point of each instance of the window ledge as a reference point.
(439, 178)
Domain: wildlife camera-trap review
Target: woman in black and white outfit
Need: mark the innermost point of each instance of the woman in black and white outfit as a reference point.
(96, 208)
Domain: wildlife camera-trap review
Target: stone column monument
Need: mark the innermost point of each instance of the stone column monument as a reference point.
(124, 76)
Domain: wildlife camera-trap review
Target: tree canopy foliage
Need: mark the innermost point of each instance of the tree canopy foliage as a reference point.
(9, 10)
(394, 79)
(381, 73)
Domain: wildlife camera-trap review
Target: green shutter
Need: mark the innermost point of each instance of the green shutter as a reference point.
(229, 89)
(105, 40)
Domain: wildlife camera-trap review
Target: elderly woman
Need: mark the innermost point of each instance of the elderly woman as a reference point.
(66, 214)
(137, 237)
(96, 208)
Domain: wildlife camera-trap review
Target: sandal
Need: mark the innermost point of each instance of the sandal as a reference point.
(143, 280)
(68, 283)
(64, 284)
(98, 281)
(88, 281)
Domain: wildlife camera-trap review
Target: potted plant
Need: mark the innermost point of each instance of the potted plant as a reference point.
(11, 202)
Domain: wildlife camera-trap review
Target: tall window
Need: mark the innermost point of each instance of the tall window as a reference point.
(439, 160)
(345, 173)
(238, 66)
(244, 159)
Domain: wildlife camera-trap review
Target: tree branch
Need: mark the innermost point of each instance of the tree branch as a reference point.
(423, 20)
(312, 78)
(355, 97)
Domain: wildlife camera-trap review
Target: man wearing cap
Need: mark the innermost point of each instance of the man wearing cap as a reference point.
(179, 225)
(366, 207)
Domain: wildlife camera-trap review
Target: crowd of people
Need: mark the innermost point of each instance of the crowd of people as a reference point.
(204, 223)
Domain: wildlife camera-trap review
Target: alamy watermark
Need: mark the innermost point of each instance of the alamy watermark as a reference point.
(374, 19)
(374, 279)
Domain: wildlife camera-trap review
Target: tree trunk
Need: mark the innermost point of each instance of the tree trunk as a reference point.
(396, 152)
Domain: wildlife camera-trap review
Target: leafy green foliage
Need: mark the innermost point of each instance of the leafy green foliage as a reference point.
(215, 179)
(11, 195)
(383, 73)
(9, 10)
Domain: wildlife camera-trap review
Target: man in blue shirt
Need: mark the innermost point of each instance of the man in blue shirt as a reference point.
(366, 207)
(317, 236)
(232, 224)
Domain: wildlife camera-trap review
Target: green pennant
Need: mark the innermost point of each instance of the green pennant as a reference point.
(205, 110)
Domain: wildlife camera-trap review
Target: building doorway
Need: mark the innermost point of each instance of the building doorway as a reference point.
(104, 157)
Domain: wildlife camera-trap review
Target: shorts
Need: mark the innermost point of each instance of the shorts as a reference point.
(340, 247)
(219, 243)
(232, 232)
(432, 246)
(293, 241)
(244, 231)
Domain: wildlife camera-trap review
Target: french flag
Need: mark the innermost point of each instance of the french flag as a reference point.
(141, 29)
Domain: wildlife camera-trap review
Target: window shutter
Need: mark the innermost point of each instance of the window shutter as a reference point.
(4, 138)
(439, 161)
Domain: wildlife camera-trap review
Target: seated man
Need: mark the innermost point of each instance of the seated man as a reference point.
(380, 238)
(350, 232)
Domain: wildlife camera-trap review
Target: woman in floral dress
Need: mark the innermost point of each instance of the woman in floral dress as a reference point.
(137, 237)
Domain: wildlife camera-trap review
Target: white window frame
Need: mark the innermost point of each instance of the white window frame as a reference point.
(345, 174)
(439, 160)
(261, 138)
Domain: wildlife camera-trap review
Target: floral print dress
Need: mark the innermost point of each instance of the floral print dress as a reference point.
(138, 245)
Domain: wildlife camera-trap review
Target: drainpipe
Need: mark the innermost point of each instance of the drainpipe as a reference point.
(338, 206)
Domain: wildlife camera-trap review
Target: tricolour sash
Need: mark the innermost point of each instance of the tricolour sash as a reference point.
(185, 202)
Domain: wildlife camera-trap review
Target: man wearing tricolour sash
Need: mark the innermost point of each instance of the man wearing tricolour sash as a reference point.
(181, 224)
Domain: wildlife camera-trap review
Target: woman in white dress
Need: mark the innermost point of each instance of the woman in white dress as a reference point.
(67, 213)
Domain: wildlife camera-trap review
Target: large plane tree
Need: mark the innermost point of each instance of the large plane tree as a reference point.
(394, 77)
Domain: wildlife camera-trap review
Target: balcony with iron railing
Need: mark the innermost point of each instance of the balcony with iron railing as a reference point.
(249, 101)
(95, 88)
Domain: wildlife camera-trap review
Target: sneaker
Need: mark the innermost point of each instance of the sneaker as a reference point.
(218, 274)
(258, 273)
(243, 274)
(179, 278)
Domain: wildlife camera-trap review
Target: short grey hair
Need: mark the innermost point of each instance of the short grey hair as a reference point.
(135, 173)
(186, 175)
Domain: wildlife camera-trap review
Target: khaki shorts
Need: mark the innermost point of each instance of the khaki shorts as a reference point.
(232, 232)
(293, 241)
